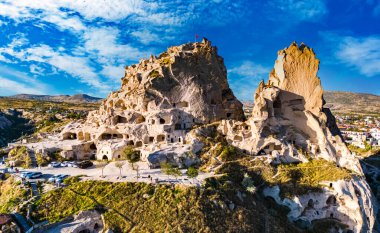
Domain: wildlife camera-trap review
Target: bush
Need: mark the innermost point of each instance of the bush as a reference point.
(229, 153)
(71, 180)
(21, 156)
(133, 156)
(154, 74)
(192, 172)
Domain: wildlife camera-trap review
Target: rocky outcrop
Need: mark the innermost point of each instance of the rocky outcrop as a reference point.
(160, 100)
(4, 122)
(289, 124)
(84, 221)
(349, 202)
(288, 119)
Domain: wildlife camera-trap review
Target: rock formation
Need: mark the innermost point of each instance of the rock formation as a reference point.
(289, 124)
(84, 221)
(288, 120)
(160, 100)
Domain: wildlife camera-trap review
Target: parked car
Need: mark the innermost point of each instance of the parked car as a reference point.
(65, 164)
(25, 174)
(34, 175)
(54, 164)
(85, 164)
(61, 178)
(52, 179)
(72, 164)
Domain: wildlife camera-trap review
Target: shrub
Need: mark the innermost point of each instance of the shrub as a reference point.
(229, 153)
(154, 74)
(71, 180)
(192, 172)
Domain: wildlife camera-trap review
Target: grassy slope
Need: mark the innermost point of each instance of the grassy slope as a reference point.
(11, 195)
(164, 208)
(140, 207)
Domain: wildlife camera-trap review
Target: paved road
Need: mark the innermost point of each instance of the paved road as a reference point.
(112, 173)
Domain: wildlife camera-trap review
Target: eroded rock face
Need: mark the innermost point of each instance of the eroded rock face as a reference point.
(85, 221)
(350, 202)
(160, 99)
(288, 118)
(289, 124)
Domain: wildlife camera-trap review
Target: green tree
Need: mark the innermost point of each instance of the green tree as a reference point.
(166, 168)
(119, 164)
(133, 156)
(174, 171)
(40, 159)
(39, 187)
(27, 161)
(169, 170)
(192, 172)
(102, 164)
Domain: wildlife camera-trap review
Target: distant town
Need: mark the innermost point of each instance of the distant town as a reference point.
(359, 130)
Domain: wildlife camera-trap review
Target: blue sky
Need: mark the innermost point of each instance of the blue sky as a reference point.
(82, 46)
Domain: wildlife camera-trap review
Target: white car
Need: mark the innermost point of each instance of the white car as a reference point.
(54, 164)
(53, 178)
(65, 164)
(72, 164)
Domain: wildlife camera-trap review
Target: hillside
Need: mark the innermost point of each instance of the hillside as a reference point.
(347, 102)
(79, 98)
(140, 207)
(343, 102)
(24, 117)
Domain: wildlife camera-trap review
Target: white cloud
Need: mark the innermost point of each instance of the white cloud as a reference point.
(4, 59)
(103, 42)
(16, 82)
(10, 87)
(114, 10)
(362, 54)
(72, 23)
(302, 10)
(145, 36)
(246, 76)
(78, 67)
(34, 69)
(113, 72)
(249, 69)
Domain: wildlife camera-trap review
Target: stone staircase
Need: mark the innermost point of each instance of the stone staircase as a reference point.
(33, 158)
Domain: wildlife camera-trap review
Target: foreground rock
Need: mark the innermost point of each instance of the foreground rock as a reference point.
(85, 221)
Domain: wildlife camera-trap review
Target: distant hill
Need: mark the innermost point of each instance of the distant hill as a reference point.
(347, 102)
(344, 102)
(79, 98)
